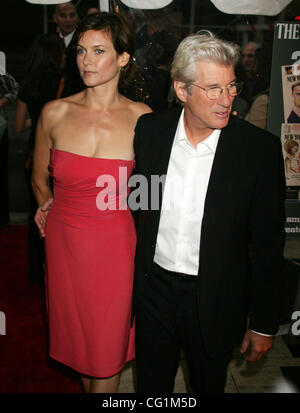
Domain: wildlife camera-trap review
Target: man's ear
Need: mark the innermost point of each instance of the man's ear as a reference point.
(180, 89)
(54, 18)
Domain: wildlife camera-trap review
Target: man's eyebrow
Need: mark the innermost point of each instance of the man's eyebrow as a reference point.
(218, 85)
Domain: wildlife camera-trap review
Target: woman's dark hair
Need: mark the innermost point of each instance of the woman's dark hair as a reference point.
(44, 64)
(121, 35)
(161, 49)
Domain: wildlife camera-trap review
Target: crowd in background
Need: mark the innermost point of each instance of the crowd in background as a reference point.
(51, 73)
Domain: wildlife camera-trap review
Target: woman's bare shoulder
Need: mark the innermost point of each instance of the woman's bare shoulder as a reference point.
(57, 109)
(139, 108)
(54, 109)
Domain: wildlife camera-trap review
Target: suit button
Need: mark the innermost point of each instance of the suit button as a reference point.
(146, 275)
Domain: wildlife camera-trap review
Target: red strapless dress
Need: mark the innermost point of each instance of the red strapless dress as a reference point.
(90, 245)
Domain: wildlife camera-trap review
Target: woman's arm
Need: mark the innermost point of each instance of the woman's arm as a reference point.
(41, 159)
(40, 173)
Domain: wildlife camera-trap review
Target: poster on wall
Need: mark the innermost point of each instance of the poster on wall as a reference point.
(291, 93)
(285, 73)
(290, 140)
(284, 98)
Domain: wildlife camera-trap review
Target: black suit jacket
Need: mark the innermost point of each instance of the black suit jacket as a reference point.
(242, 237)
(73, 82)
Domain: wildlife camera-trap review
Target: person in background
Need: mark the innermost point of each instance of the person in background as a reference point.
(246, 70)
(258, 112)
(249, 58)
(209, 256)
(8, 94)
(42, 82)
(66, 17)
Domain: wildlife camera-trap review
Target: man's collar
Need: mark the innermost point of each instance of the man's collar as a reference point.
(66, 38)
(211, 141)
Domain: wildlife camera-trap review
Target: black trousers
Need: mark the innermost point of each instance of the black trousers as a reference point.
(166, 322)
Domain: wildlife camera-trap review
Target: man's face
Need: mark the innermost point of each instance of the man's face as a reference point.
(296, 96)
(203, 113)
(248, 57)
(66, 18)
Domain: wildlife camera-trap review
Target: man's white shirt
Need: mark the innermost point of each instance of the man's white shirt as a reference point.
(68, 38)
(178, 239)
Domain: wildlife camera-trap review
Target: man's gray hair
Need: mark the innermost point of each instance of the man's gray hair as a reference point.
(202, 46)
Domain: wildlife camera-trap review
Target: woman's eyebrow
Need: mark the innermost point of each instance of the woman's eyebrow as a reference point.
(94, 45)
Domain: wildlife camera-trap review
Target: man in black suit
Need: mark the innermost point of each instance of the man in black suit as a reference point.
(66, 17)
(209, 256)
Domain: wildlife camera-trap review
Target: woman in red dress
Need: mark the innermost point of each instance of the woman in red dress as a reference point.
(84, 142)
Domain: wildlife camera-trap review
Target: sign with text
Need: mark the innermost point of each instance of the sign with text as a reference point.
(292, 224)
(285, 74)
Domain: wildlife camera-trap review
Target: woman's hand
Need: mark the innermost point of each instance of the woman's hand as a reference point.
(41, 216)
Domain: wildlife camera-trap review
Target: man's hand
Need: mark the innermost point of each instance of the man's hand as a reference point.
(41, 216)
(259, 345)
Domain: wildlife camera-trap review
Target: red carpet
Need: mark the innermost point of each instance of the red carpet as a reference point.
(24, 364)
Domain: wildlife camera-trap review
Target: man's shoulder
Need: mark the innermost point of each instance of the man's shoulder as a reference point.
(155, 128)
(161, 119)
(250, 134)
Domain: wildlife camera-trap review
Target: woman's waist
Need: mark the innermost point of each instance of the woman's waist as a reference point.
(86, 203)
(90, 208)
(88, 218)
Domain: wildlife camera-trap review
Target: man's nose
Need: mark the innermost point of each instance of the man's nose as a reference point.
(225, 99)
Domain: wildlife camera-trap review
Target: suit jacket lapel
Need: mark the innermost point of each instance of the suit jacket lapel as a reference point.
(161, 152)
(220, 181)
